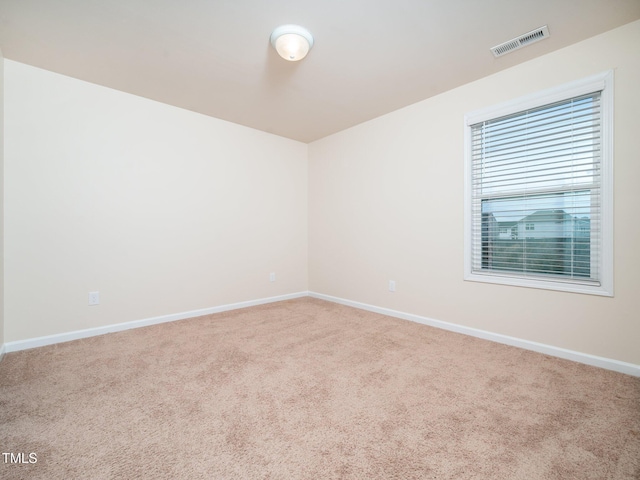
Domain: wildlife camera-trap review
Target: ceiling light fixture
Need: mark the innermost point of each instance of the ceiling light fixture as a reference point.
(292, 42)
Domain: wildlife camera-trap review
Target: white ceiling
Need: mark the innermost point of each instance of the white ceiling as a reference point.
(214, 57)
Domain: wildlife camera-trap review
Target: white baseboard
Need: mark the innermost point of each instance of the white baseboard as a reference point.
(607, 363)
(3, 349)
(118, 327)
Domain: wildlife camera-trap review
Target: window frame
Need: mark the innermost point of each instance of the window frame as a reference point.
(602, 82)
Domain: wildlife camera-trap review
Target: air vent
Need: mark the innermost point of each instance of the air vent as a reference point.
(521, 41)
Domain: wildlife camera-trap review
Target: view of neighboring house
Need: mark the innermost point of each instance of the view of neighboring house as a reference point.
(549, 241)
(539, 225)
(507, 230)
(552, 224)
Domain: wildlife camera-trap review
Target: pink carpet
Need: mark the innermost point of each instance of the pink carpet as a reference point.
(306, 389)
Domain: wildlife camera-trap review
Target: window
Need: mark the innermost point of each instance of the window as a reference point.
(540, 168)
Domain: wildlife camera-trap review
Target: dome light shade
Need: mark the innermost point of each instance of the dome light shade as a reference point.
(292, 42)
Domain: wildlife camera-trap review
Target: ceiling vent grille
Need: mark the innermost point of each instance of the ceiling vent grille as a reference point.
(521, 41)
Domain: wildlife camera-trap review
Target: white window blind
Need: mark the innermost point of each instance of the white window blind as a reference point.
(536, 193)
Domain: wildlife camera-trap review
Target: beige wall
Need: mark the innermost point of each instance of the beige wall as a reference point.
(159, 209)
(1, 201)
(386, 203)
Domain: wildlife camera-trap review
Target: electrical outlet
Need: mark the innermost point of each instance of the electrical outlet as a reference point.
(94, 298)
(392, 285)
(272, 277)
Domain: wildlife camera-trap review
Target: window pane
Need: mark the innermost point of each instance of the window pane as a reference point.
(547, 235)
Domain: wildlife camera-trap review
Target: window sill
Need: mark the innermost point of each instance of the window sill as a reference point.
(557, 285)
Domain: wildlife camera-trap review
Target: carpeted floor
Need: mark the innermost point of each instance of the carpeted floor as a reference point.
(306, 389)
